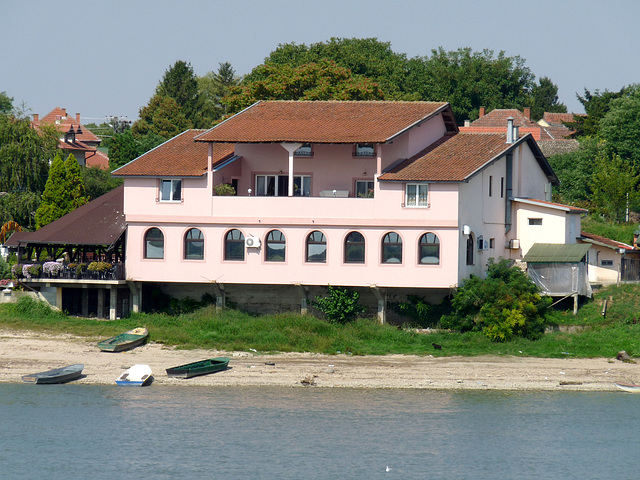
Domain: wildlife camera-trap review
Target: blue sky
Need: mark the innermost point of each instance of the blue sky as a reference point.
(106, 58)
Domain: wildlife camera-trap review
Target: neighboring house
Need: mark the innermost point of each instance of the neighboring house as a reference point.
(550, 133)
(611, 261)
(387, 198)
(74, 138)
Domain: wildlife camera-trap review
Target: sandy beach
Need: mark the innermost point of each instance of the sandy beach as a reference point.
(24, 352)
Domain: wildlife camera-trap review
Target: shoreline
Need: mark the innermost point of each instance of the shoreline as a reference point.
(26, 352)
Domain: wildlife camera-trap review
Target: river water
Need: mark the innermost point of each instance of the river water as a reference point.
(158, 432)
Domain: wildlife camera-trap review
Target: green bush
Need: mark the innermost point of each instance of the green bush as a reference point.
(341, 305)
(504, 305)
(224, 189)
(423, 313)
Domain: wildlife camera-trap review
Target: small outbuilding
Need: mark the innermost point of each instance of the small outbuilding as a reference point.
(560, 270)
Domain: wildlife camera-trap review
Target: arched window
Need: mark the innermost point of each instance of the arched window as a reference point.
(392, 248)
(193, 245)
(429, 249)
(316, 247)
(153, 243)
(276, 246)
(354, 248)
(234, 245)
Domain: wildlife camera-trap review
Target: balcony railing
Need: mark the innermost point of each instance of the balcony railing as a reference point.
(68, 271)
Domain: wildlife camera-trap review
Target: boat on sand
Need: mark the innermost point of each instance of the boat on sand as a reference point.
(628, 387)
(125, 341)
(203, 367)
(137, 376)
(57, 375)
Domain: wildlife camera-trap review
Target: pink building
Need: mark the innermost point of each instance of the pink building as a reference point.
(388, 198)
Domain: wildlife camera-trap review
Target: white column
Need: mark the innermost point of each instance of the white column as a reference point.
(291, 148)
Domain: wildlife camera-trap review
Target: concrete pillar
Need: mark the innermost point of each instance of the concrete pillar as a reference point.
(101, 292)
(113, 302)
(136, 296)
(382, 303)
(85, 301)
(220, 295)
(59, 297)
(304, 298)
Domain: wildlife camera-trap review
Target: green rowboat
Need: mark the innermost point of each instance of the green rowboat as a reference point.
(125, 341)
(203, 367)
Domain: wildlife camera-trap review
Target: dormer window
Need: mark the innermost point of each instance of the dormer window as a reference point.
(171, 190)
(304, 151)
(364, 150)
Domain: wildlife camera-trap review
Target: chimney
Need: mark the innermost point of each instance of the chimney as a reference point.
(64, 112)
(527, 113)
(467, 123)
(78, 118)
(510, 130)
(481, 112)
(36, 117)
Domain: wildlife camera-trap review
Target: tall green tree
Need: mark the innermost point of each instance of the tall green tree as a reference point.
(544, 98)
(213, 87)
(54, 198)
(575, 171)
(24, 154)
(97, 182)
(6, 103)
(181, 84)
(364, 57)
(619, 128)
(163, 117)
(596, 106)
(469, 80)
(614, 186)
(64, 191)
(311, 81)
(20, 207)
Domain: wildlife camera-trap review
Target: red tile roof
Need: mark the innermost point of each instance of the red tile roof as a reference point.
(559, 118)
(179, 157)
(496, 121)
(453, 158)
(100, 160)
(592, 238)
(58, 117)
(325, 121)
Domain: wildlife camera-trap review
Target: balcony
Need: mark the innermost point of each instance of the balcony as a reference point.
(51, 271)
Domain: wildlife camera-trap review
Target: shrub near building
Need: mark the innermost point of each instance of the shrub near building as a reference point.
(504, 305)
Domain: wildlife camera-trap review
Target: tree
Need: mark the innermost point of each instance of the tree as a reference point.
(19, 207)
(64, 191)
(575, 171)
(544, 98)
(6, 103)
(619, 128)
(213, 87)
(163, 117)
(97, 182)
(122, 149)
(24, 154)
(181, 84)
(364, 57)
(504, 305)
(53, 205)
(614, 186)
(596, 105)
(311, 81)
(469, 80)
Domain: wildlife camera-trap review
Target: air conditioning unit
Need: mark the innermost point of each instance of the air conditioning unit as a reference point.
(252, 242)
(514, 244)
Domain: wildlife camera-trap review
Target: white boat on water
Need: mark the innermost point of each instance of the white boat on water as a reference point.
(628, 387)
(136, 376)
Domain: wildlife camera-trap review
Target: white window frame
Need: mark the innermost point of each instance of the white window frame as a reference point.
(172, 190)
(416, 195)
(364, 150)
(302, 179)
(306, 150)
(366, 188)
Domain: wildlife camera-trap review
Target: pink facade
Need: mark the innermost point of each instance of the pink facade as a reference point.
(409, 230)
